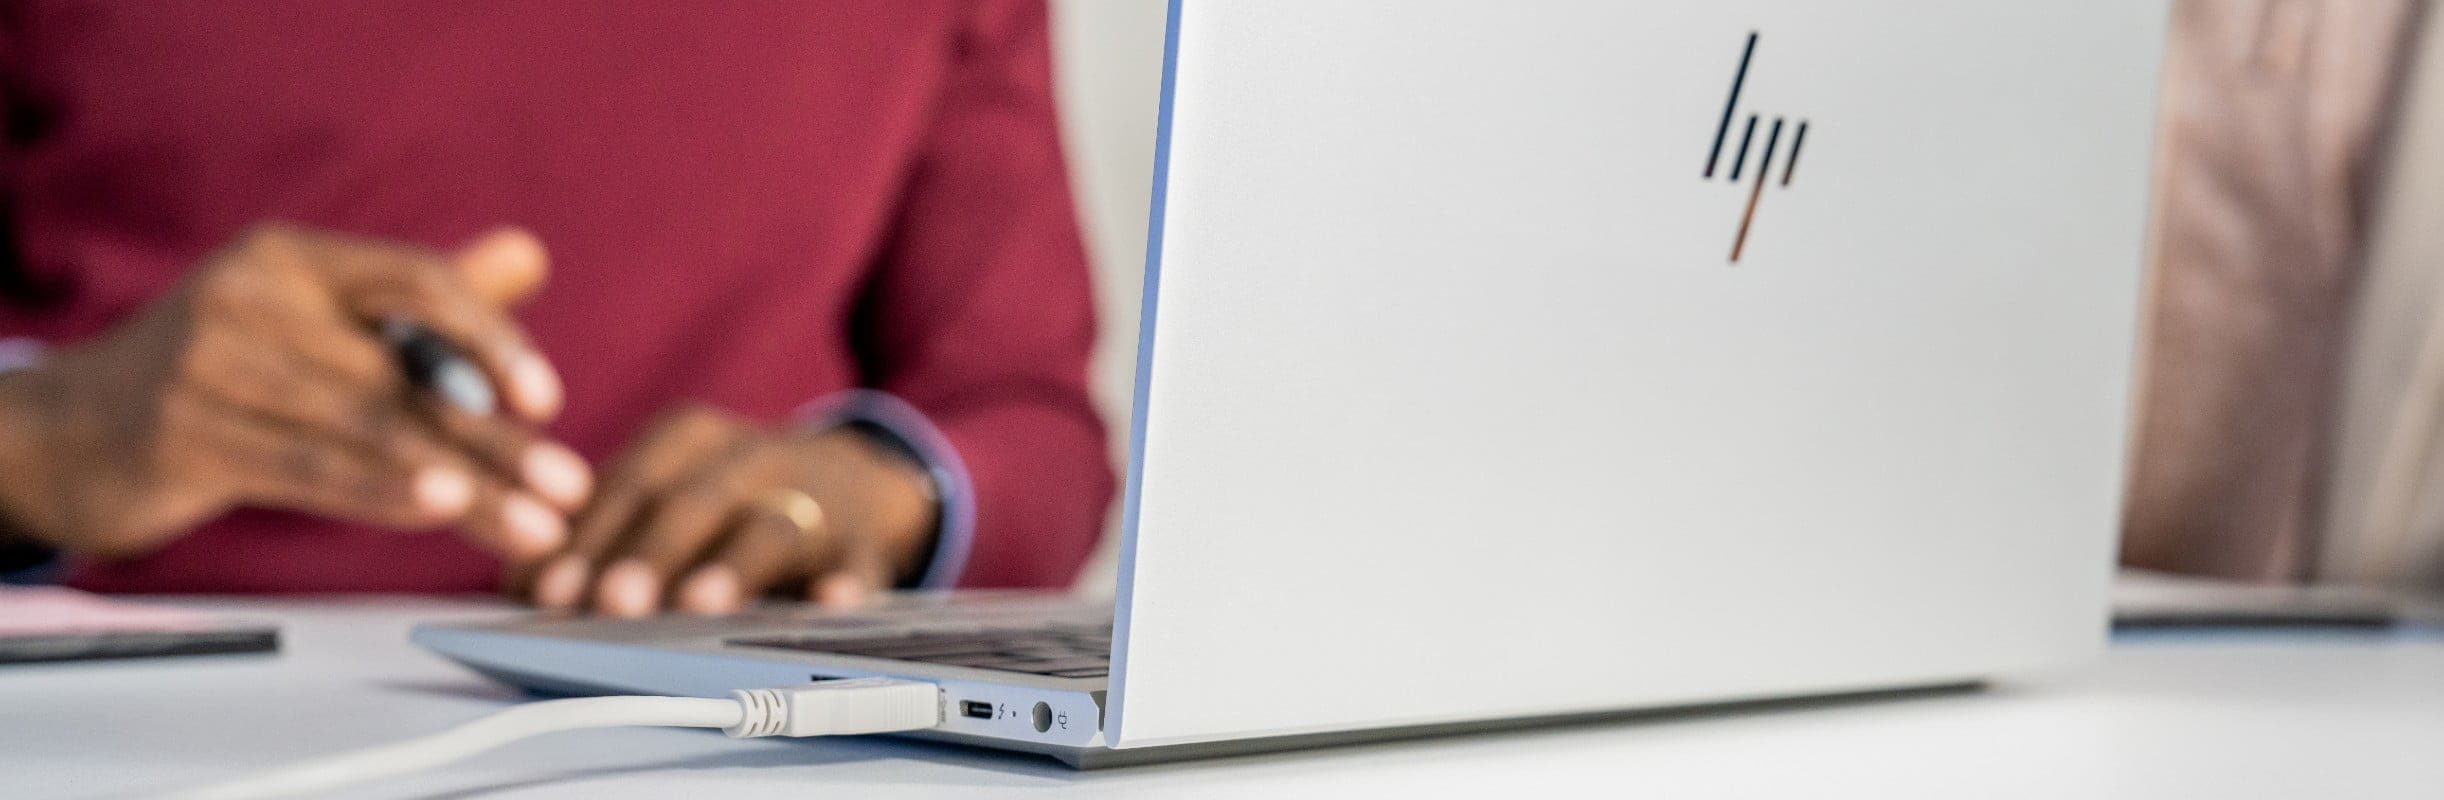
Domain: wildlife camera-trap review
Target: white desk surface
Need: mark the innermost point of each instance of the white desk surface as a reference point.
(2210, 715)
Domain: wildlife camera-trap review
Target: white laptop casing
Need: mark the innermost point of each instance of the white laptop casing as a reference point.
(1453, 405)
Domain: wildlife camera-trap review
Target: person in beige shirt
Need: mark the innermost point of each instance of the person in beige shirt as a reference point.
(2288, 419)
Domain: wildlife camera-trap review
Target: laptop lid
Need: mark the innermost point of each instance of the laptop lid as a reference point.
(1512, 359)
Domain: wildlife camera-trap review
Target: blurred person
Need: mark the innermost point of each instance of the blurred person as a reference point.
(815, 291)
(2289, 424)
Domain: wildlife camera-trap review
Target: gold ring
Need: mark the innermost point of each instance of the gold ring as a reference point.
(790, 504)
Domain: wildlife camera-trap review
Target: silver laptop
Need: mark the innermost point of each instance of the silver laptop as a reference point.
(1505, 362)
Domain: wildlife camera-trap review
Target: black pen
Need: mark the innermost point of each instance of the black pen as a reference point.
(433, 363)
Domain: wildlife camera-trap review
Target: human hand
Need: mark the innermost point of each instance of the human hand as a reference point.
(707, 510)
(260, 380)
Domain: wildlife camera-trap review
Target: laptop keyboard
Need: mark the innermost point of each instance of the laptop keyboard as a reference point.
(1061, 650)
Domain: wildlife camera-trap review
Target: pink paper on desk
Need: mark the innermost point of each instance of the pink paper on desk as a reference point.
(49, 610)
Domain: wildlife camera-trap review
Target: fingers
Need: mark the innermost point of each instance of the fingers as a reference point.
(762, 550)
(273, 464)
(260, 381)
(527, 383)
(408, 481)
(333, 348)
(680, 526)
(311, 295)
(707, 512)
(504, 267)
(296, 392)
(372, 281)
(549, 469)
(860, 575)
(526, 484)
(322, 406)
(523, 529)
(673, 449)
(729, 543)
(287, 388)
(561, 582)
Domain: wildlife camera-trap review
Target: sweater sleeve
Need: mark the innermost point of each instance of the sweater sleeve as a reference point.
(980, 315)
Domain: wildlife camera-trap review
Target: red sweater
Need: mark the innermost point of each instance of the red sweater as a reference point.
(754, 204)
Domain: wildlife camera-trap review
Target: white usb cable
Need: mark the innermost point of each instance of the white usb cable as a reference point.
(830, 708)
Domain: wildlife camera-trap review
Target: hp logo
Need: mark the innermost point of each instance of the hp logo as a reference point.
(1748, 135)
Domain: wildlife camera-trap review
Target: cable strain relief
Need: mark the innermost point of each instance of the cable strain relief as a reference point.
(762, 712)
